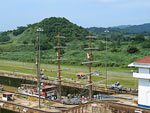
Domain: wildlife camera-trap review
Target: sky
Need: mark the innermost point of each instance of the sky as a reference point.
(86, 13)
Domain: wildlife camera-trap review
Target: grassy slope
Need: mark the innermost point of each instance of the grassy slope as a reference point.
(20, 67)
(74, 55)
(28, 52)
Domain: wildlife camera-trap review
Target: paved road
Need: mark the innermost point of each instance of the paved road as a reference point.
(109, 72)
(119, 73)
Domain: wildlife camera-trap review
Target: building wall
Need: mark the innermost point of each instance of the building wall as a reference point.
(144, 93)
(144, 70)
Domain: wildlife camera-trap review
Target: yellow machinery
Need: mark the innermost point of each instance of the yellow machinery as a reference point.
(32, 99)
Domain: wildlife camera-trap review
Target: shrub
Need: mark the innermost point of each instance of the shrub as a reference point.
(19, 30)
(25, 42)
(132, 49)
(114, 49)
(4, 37)
(146, 44)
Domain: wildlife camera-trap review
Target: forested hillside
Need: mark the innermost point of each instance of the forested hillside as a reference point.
(124, 46)
(100, 30)
(51, 26)
(125, 29)
(140, 28)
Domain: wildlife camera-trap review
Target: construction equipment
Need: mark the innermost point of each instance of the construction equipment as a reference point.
(32, 99)
(44, 77)
(117, 87)
(71, 100)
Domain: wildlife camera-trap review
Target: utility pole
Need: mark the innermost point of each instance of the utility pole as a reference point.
(90, 63)
(39, 30)
(37, 60)
(59, 69)
(90, 58)
(106, 31)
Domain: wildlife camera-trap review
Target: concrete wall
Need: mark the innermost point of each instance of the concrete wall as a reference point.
(106, 107)
(144, 93)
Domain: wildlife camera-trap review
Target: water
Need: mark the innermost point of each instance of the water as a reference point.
(7, 111)
(11, 84)
(14, 82)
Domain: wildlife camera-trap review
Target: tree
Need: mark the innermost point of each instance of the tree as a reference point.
(33, 41)
(146, 43)
(114, 49)
(84, 45)
(1, 50)
(45, 45)
(4, 37)
(74, 45)
(132, 49)
(101, 46)
(139, 38)
(19, 30)
(25, 42)
(114, 46)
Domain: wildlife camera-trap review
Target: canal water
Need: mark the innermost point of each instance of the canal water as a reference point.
(11, 84)
(6, 111)
(14, 82)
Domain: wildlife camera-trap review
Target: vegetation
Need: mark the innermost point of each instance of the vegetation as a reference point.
(19, 30)
(22, 68)
(123, 47)
(129, 29)
(4, 37)
(49, 103)
(132, 49)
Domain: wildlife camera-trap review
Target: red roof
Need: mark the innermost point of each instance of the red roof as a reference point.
(145, 60)
(80, 73)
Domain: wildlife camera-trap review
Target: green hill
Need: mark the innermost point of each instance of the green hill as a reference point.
(125, 29)
(100, 30)
(140, 28)
(51, 26)
(20, 45)
(123, 48)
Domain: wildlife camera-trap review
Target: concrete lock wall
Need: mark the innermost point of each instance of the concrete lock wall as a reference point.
(19, 109)
(107, 107)
(90, 108)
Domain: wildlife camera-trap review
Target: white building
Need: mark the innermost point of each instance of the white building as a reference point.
(144, 81)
